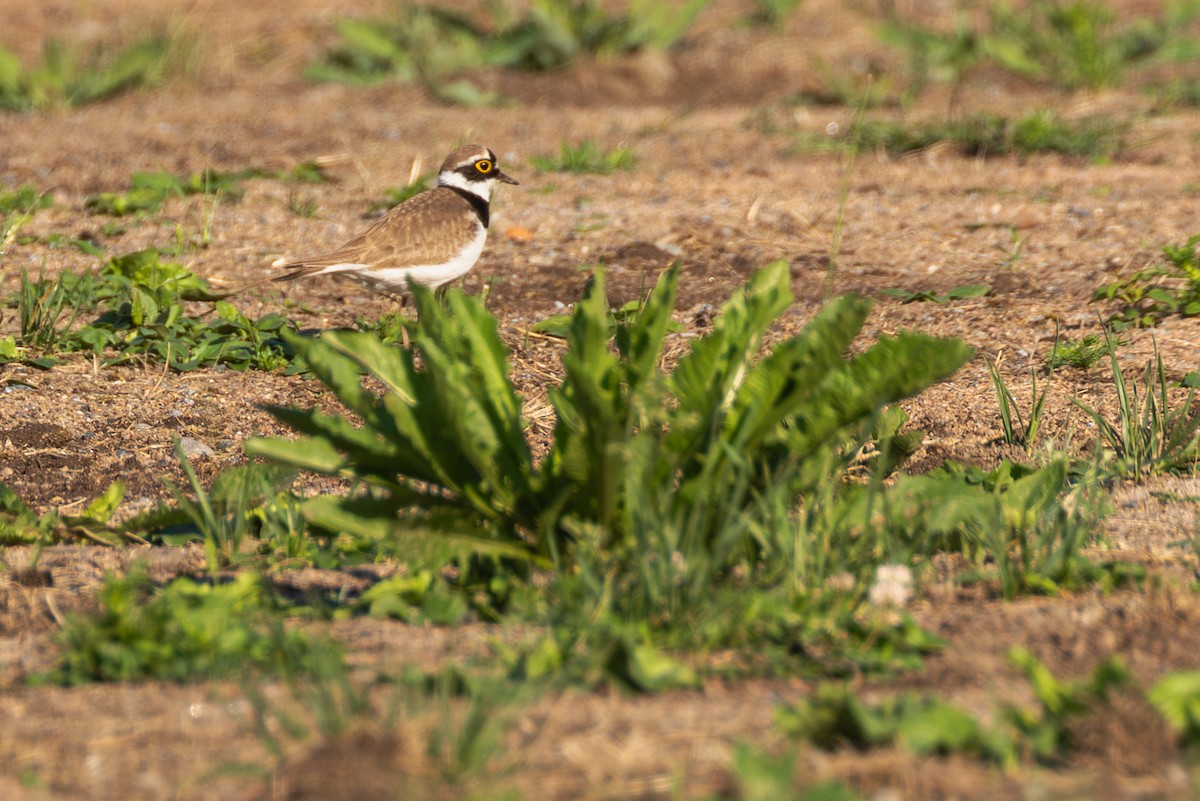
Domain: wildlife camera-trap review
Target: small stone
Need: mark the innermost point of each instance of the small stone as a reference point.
(195, 449)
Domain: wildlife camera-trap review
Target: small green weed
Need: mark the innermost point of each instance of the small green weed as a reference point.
(835, 718)
(986, 135)
(1015, 429)
(926, 295)
(933, 55)
(559, 325)
(68, 77)
(772, 13)
(149, 190)
(1083, 353)
(222, 517)
(184, 631)
(1176, 696)
(25, 199)
(1154, 293)
(142, 297)
(758, 775)
(20, 525)
(586, 157)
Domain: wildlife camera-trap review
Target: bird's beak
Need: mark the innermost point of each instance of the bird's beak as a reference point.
(508, 179)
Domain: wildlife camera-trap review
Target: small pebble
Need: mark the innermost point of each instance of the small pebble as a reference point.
(195, 449)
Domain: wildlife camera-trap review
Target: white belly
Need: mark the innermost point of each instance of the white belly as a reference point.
(395, 280)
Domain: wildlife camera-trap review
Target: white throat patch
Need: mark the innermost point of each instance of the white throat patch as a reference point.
(481, 189)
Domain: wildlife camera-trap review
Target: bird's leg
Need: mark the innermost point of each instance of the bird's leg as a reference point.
(404, 341)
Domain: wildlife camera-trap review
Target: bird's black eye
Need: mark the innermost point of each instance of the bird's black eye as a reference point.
(484, 166)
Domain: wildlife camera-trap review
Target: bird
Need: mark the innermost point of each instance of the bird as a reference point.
(430, 239)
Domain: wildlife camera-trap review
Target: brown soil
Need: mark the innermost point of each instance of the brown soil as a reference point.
(711, 189)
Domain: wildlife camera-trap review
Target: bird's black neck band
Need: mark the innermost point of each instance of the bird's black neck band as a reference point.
(478, 203)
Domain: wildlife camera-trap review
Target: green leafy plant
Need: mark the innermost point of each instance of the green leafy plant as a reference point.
(1152, 434)
(925, 295)
(184, 631)
(67, 76)
(586, 157)
(1154, 293)
(656, 484)
(1027, 527)
(467, 445)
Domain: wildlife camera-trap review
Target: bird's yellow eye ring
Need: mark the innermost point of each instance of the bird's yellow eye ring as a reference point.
(484, 166)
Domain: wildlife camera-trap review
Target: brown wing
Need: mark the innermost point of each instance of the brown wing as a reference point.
(418, 231)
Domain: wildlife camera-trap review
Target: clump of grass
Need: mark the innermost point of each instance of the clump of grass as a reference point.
(1015, 428)
(587, 157)
(67, 76)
